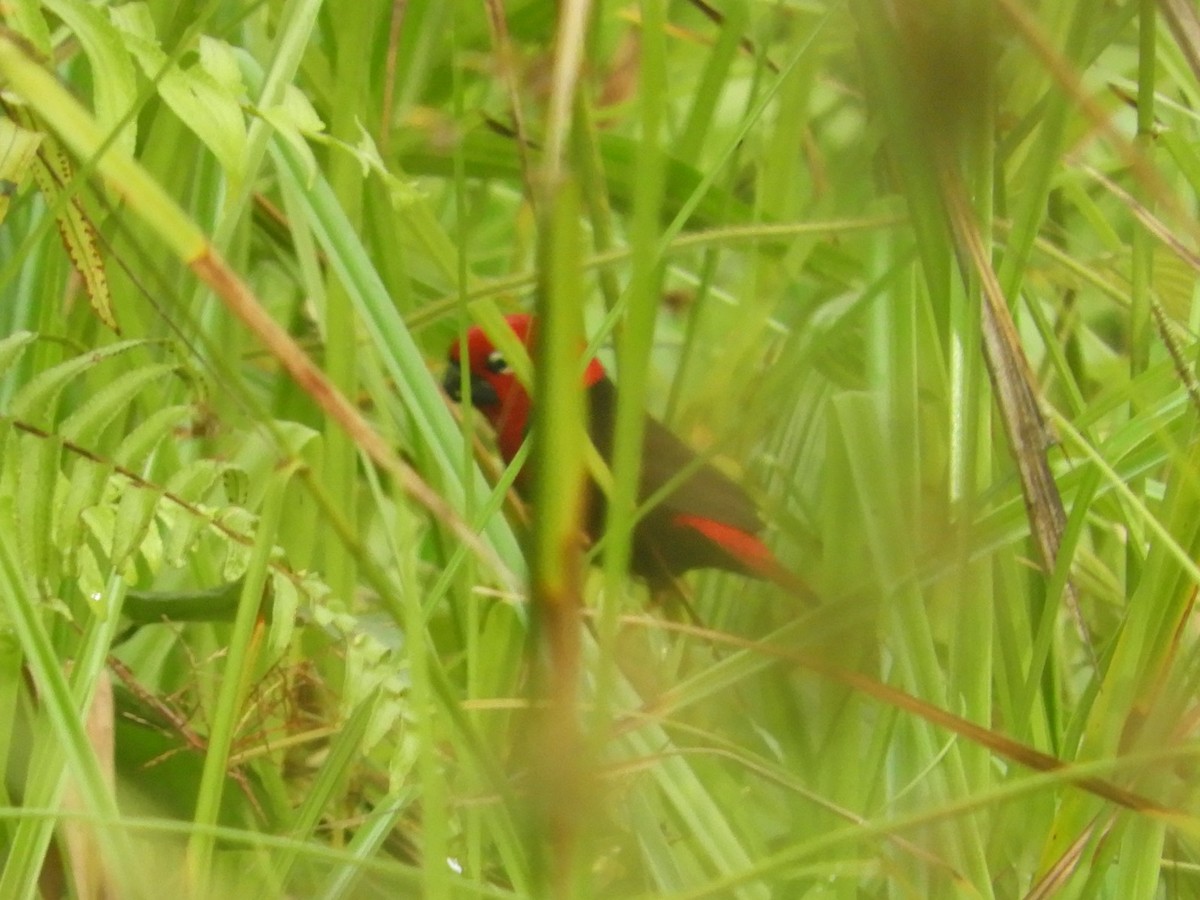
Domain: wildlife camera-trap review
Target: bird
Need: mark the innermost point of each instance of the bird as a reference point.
(706, 520)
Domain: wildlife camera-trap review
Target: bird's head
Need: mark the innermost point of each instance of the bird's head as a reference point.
(495, 389)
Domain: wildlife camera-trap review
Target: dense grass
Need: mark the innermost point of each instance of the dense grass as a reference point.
(922, 275)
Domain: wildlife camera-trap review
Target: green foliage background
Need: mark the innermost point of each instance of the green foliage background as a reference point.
(320, 689)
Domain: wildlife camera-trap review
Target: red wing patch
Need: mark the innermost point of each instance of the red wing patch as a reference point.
(749, 550)
(746, 548)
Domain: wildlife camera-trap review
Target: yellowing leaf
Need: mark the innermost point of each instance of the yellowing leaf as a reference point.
(55, 179)
(18, 150)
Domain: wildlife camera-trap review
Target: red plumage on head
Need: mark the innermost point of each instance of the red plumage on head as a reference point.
(508, 405)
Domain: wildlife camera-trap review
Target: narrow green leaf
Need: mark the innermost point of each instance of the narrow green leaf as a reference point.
(62, 721)
(113, 78)
(241, 664)
(37, 466)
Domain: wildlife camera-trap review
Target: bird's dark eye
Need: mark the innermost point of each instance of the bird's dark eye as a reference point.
(496, 363)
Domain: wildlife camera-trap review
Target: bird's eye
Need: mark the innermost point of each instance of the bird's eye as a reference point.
(496, 363)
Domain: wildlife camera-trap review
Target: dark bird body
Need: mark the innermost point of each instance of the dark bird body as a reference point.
(706, 520)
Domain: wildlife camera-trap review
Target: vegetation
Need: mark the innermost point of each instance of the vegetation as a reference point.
(921, 274)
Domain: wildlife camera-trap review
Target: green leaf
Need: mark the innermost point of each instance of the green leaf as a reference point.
(25, 16)
(285, 601)
(12, 346)
(137, 446)
(206, 101)
(87, 573)
(493, 156)
(37, 480)
(182, 528)
(196, 480)
(37, 401)
(102, 406)
(294, 120)
(84, 489)
(193, 483)
(135, 512)
(237, 555)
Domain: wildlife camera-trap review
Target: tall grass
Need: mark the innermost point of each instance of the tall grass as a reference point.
(922, 276)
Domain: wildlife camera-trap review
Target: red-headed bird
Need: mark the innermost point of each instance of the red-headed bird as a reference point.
(706, 521)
